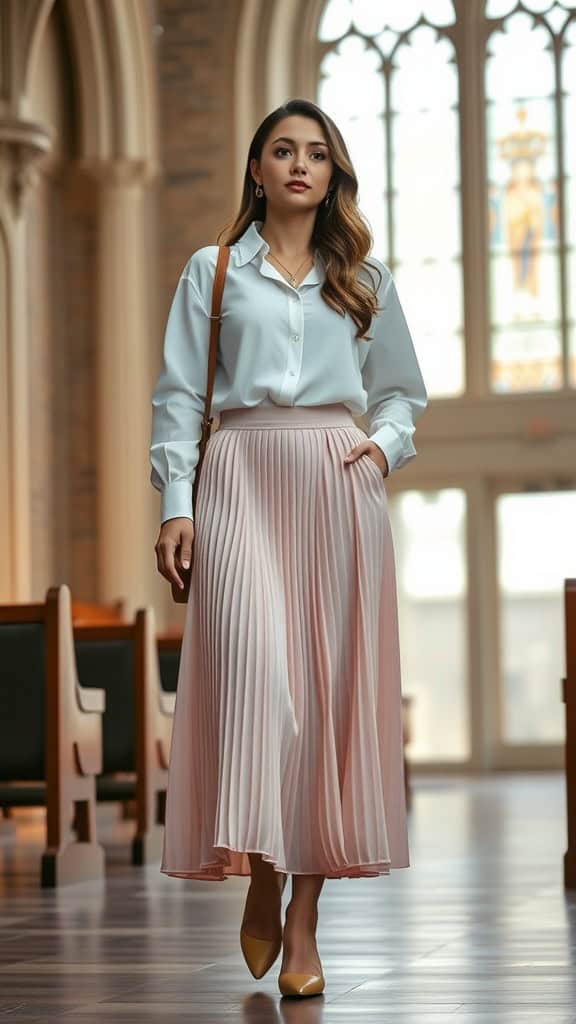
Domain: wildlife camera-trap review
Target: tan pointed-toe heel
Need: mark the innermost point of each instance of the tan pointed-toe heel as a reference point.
(259, 954)
(292, 984)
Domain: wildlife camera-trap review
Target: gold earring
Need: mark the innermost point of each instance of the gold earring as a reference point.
(259, 191)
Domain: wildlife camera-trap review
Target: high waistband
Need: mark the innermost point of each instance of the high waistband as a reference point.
(269, 416)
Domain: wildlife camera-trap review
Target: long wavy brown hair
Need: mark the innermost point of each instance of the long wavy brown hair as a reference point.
(341, 233)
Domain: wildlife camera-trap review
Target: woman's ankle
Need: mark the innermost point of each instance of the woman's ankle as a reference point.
(261, 870)
(302, 913)
(266, 888)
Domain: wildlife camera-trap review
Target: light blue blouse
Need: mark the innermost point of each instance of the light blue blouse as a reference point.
(278, 345)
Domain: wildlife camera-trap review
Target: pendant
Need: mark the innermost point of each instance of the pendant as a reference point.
(293, 281)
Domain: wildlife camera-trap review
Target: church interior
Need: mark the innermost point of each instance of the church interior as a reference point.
(124, 126)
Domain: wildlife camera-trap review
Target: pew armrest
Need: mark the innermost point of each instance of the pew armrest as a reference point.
(167, 702)
(91, 699)
(88, 737)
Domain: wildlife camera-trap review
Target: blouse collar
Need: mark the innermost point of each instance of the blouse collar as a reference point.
(251, 243)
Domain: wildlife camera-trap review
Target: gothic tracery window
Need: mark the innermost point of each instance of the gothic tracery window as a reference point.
(395, 78)
(389, 75)
(531, 97)
(389, 79)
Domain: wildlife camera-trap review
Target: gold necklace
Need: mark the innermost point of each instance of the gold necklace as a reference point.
(292, 275)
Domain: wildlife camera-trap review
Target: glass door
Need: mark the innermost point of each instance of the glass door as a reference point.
(535, 551)
(429, 529)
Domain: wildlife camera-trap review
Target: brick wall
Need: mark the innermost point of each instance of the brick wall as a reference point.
(194, 42)
(195, 62)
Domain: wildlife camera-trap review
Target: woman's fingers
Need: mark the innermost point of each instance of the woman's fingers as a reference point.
(166, 561)
(186, 548)
(363, 449)
(174, 548)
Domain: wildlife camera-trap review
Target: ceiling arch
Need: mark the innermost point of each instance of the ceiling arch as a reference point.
(276, 59)
(113, 60)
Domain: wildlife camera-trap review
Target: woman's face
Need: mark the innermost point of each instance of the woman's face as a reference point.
(295, 151)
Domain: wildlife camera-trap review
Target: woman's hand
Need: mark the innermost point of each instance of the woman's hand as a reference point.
(174, 548)
(371, 450)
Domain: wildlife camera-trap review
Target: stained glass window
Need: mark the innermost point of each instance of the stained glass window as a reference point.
(403, 141)
(529, 330)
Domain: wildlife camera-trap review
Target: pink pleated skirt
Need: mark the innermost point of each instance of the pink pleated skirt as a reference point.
(287, 734)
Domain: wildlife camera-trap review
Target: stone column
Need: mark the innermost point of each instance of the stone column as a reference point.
(22, 143)
(126, 265)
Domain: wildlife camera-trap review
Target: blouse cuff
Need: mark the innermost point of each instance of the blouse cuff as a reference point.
(176, 500)
(398, 449)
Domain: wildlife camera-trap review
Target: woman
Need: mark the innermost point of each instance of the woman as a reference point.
(287, 751)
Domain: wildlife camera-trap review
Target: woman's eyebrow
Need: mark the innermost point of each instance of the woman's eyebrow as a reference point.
(284, 138)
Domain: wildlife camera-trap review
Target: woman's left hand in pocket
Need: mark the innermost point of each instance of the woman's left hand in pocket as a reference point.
(370, 450)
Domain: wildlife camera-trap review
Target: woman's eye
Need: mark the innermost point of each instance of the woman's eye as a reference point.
(284, 149)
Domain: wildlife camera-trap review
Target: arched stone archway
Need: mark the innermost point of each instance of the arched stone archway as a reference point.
(276, 58)
(115, 142)
(116, 81)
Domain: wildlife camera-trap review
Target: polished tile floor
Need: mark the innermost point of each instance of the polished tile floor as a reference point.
(479, 928)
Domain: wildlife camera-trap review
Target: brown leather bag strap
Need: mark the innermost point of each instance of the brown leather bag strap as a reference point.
(181, 596)
(215, 319)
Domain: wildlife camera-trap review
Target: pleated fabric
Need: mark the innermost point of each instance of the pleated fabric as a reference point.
(287, 734)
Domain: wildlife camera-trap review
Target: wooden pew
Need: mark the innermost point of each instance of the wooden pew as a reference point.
(137, 725)
(86, 613)
(169, 644)
(50, 735)
(569, 698)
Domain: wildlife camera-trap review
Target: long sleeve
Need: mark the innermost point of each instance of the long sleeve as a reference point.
(178, 400)
(392, 378)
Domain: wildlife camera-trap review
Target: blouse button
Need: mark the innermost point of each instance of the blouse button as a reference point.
(295, 337)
